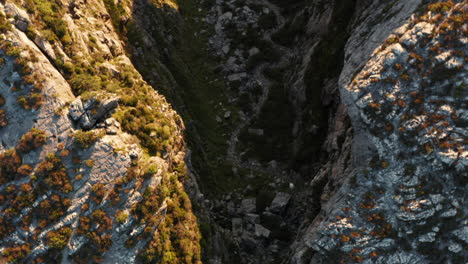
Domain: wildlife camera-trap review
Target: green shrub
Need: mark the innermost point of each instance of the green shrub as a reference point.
(440, 7)
(85, 139)
(4, 24)
(51, 14)
(121, 217)
(59, 239)
(98, 191)
(89, 163)
(178, 236)
(84, 82)
(151, 170)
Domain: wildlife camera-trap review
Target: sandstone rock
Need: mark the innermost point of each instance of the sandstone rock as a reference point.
(398, 50)
(112, 126)
(85, 122)
(226, 16)
(133, 154)
(462, 234)
(454, 62)
(231, 208)
(105, 107)
(401, 258)
(112, 130)
(427, 238)
(110, 121)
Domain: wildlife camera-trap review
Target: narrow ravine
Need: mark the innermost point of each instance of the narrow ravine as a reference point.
(285, 56)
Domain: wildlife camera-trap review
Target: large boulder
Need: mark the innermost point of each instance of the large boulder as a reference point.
(20, 16)
(45, 46)
(96, 108)
(76, 109)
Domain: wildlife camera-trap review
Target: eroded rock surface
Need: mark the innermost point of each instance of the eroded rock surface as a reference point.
(405, 204)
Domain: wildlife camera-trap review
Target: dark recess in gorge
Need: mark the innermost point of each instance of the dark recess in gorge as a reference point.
(326, 64)
(279, 112)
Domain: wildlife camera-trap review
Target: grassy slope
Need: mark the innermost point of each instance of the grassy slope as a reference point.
(188, 78)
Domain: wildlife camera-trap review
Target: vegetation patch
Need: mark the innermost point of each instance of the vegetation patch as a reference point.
(5, 26)
(17, 253)
(175, 240)
(440, 7)
(50, 13)
(59, 239)
(10, 161)
(32, 140)
(54, 174)
(85, 139)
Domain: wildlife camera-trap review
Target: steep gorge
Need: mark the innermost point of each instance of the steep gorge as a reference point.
(289, 133)
(285, 159)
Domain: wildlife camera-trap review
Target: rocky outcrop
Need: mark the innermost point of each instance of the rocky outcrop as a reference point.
(84, 168)
(20, 17)
(86, 114)
(396, 106)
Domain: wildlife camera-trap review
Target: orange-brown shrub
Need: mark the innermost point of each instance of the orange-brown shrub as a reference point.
(54, 174)
(31, 140)
(3, 119)
(10, 161)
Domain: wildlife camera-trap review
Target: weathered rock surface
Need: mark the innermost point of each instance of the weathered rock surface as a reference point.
(95, 109)
(280, 202)
(75, 191)
(20, 16)
(390, 210)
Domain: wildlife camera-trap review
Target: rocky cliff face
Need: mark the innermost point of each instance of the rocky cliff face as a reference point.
(305, 132)
(402, 202)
